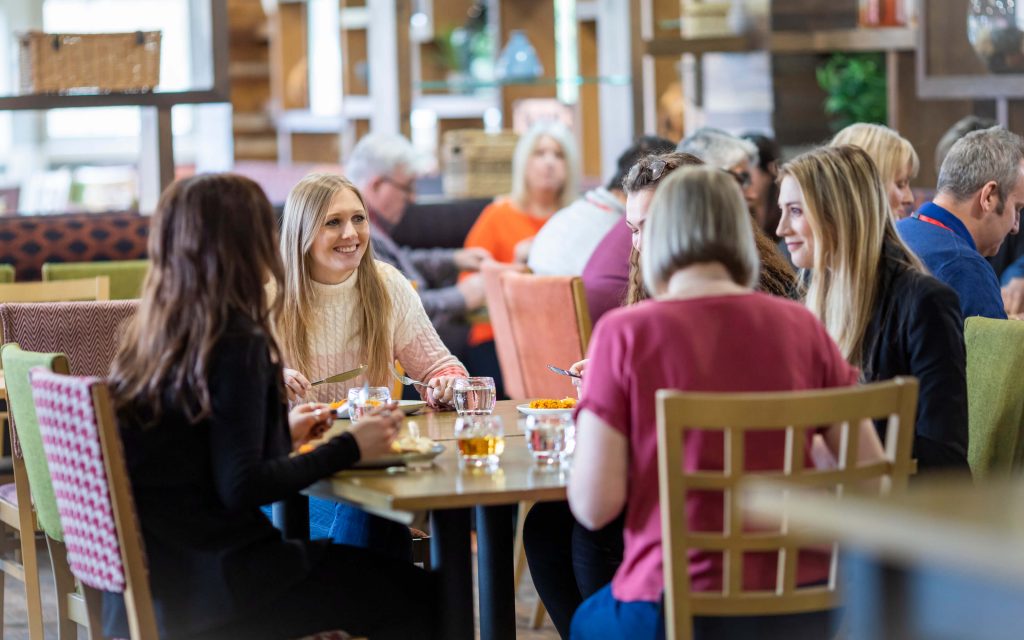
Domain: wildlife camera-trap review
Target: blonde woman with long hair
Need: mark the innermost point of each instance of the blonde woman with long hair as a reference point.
(341, 308)
(894, 156)
(888, 316)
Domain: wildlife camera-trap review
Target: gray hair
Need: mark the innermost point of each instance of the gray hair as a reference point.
(524, 149)
(979, 157)
(380, 154)
(698, 215)
(718, 148)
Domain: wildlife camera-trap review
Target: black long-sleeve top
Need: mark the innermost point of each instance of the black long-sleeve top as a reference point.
(917, 330)
(213, 556)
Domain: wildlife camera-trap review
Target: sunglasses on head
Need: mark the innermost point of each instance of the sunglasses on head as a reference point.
(655, 167)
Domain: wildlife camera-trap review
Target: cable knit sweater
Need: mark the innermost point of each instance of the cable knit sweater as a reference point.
(334, 336)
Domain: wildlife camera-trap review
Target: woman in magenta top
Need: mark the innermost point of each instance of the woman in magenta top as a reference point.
(705, 330)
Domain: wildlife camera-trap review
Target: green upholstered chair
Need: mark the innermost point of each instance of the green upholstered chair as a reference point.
(995, 395)
(31, 473)
(6, 273)
(126, 276)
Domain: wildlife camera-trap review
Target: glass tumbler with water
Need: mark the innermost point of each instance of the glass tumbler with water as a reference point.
(481, 440)
(474, 396)
(551, 438)
(362, 400)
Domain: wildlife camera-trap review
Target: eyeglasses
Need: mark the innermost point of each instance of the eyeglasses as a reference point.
(655, 167)
(408, 188)
(742, 177)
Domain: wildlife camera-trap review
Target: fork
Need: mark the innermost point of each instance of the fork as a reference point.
(406, 380)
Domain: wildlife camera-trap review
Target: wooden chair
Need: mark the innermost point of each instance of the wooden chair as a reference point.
(35, 497)
(89, 333)
(995, 396)
(94, 497)
(537, 320)
(791, 414)
(126, 276)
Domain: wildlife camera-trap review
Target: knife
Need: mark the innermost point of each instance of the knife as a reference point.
(563, 372)
(341, 377)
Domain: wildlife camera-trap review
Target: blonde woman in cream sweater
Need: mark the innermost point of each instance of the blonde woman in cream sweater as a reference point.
(343, 308)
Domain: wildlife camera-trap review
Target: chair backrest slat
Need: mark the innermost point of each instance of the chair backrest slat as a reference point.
(97, 288)
(793, 417)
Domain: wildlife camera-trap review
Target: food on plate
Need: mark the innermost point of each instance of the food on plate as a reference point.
(306, 447)
(338, 404)
(412, 442)
(564, 403)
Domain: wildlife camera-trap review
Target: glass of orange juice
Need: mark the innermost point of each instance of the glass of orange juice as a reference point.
(481, 440)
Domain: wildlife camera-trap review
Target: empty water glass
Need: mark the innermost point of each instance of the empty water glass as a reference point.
(474, 396)
(359, 404)
(551, 438)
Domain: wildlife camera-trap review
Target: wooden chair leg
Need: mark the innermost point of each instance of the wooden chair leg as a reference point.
(29, 556)
(67, 627)
(518, 549)
(540, 614)
(94, 607)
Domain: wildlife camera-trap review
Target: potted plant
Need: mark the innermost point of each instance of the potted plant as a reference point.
(856, 88)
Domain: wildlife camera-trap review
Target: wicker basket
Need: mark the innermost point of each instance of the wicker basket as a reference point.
(478, 164)
(89, 62)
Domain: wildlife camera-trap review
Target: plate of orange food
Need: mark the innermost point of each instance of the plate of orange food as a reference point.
(547, 406)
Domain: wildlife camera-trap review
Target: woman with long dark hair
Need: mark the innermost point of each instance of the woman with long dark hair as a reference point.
(198, 390)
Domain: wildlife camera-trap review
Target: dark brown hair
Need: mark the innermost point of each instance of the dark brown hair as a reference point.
(647, 173)
(776, 276)
(212, 247)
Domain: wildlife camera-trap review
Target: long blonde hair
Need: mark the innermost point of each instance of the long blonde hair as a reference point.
(848, 212)
(304, 214)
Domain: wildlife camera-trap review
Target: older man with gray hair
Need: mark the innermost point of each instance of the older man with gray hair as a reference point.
(384, 169)
(723, 150)
(979, 200)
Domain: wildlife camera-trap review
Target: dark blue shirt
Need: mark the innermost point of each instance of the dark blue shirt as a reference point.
(949, 252)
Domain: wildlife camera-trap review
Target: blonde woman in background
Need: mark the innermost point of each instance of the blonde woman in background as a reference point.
(894, 156)
(545, 176)
(888, 316)
(342, 308)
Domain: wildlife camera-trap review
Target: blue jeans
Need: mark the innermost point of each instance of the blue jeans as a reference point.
(354, 527)
(602, 616)
(344, 524)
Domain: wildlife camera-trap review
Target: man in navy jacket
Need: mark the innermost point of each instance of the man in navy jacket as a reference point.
(979, 201)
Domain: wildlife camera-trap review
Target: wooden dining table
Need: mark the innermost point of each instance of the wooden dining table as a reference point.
(450, 492)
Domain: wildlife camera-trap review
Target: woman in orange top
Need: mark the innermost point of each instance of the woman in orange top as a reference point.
(545, 172)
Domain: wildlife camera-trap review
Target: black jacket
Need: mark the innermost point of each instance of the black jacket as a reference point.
(917, 330)
(213, 556)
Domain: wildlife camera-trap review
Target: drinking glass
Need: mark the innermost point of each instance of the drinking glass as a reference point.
(550, 438)
(481, 440)
(474, 396)
(358, 405)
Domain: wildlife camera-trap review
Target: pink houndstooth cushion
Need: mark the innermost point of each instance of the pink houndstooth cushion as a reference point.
(71, 440)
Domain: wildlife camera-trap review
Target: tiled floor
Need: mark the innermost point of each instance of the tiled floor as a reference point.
(15, 626)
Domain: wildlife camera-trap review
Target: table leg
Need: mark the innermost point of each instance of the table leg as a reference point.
(495, 527)
(291, 516)
(450, 558)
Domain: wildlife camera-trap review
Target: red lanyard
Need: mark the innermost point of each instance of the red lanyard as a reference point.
(931, 220)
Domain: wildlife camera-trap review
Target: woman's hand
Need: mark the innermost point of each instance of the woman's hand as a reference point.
(295, 384)
(441, 391)
(376, 430)
(579, 368)
(308, 422)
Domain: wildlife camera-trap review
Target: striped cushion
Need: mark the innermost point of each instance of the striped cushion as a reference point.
(67, 422)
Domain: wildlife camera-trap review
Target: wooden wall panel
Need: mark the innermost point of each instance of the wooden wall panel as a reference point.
(315, 148)
(537, 19)
(588, 112)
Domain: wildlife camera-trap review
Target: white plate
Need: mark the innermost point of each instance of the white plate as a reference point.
(525, 409)
(408, 407)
